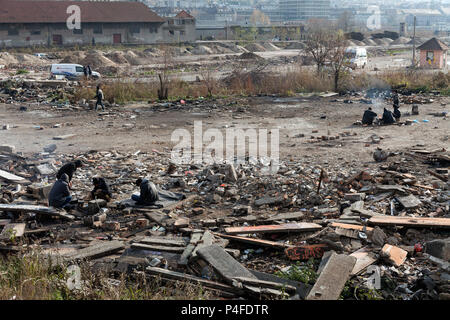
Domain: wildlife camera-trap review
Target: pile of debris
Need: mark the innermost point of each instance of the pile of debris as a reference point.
(245, 229)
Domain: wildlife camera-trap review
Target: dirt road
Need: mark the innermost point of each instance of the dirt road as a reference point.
(141, 127)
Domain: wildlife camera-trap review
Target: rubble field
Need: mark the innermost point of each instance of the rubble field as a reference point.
(352, 211)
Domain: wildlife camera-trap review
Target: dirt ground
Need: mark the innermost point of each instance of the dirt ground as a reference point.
(145, 127)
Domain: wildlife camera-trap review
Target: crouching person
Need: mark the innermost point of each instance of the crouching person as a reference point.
(59, 196)
(148, 194)
(101, 190)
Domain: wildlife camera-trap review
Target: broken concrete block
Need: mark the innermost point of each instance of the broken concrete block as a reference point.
(111, 225)
(333, 277)
(231, 173)
(268, 200)
(409, 202)
(142, 223)
(378, 237)
(95, 205)
(197, 211)
(50, 148)
(439, 248)
(7, 148)
(181, 223)
(45, 169)
(242, 210)
(354, 196)
(394, 255)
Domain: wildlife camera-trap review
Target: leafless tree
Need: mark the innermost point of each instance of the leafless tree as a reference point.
(337, 46)
(318, 44)
(163, 91)
(209, 80)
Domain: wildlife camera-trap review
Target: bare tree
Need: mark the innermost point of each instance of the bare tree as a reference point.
(318, 44)
(209, 81)
(259, 18)
(163, 91)
(337, 46)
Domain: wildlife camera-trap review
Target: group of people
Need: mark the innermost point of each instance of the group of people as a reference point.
(87, 71)
(60, 195)
(389, 117)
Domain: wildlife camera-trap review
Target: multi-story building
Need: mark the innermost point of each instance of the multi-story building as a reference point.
(303, 10)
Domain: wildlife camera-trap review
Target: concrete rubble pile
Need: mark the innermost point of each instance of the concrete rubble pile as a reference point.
(243, 230)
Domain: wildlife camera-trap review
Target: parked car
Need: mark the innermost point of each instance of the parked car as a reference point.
(356, 57)
(71, 71)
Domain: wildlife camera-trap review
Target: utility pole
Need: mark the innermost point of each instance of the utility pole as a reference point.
(414, 44)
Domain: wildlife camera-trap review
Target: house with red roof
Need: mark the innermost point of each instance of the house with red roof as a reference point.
(433, 54)
(181, 28)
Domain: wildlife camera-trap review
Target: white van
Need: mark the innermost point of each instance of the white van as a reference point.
(70, 70)
(356, 57)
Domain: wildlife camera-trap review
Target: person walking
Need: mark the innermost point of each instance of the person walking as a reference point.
(100, 98)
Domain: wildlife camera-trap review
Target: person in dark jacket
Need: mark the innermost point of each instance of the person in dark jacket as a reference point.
(149, 193)
(395, 100)
(388, 118)
(99, 97)
(59, 196)
(69, 169)
(89, 70)
(368, 116)
(85, 71)
(101, 189)
(397, 114)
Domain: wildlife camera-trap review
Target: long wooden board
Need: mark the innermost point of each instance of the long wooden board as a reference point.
(257, 242)
(164, 241)
(411, 221)
(187, 277)
(157, 248)
(11, 177)
(350, 226)
(287, 227)
(36, 209)
(96, 251)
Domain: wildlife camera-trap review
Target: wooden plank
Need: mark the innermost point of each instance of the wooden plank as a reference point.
(287, 227)
(96, 251)
(287, 216)
(36, 209)
(333, 277)
(224, 263)
(12, 177)
(306, 252)
(350, 226)
(411, 221)
(254, 241)
(265, 284)
(364, 258)
(156, 247)
(184, 259)
(187, 277)
(12, 230)
(437, 175)
(164, 241)
(259, 291)
(154, 216)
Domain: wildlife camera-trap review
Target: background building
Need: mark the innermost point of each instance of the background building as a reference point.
(303, 10)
